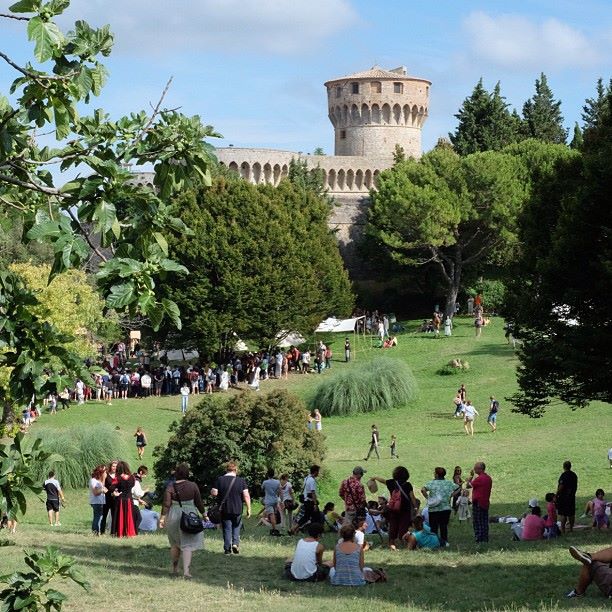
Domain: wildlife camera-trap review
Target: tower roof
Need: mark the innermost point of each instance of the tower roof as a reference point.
(376, 72)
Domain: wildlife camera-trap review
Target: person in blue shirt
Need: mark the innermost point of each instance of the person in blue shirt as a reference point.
(421, 536)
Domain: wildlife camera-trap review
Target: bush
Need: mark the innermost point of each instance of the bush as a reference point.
(378, 385)
(258, 430)
(82, 449)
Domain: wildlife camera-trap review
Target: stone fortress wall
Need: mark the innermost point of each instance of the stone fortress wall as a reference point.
(371, 112)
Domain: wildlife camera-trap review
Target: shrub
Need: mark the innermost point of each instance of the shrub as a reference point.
(258, 430)
(81, 449)
(380, 384)
(454, 366)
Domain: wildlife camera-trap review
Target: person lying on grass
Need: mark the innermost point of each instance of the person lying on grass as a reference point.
(597, 568)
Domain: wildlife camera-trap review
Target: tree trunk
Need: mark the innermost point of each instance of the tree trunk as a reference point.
(451, 300)
(8, 418)
(454, 283)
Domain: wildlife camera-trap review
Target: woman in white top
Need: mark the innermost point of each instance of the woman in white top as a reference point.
(318, 421)
(97, 497)
(287, 502)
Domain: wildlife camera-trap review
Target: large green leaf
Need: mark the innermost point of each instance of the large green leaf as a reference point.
(25, 6)
(121, 295)
(46, 37)
(173, 312)
(105, 216)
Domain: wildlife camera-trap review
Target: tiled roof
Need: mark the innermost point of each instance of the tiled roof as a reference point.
(376, 72)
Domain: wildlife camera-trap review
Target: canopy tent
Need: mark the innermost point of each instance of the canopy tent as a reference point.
(285, 339)
(332, 325)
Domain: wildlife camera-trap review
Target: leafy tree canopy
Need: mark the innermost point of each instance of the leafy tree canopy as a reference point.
(260, 431)
(262, 259)
(450, 211)
(559, 299)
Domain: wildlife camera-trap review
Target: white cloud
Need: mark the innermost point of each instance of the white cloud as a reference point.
(516, 42)
(258, 26)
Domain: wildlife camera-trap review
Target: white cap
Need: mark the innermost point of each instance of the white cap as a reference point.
(533, 502)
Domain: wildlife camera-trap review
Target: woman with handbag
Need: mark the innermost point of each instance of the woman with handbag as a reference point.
(401, 505)
(438, 493)
(182, 501)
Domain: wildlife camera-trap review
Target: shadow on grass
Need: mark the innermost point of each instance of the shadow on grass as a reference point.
(472, 578)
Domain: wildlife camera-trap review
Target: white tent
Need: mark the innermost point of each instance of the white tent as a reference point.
(337, 325)
(285, 339)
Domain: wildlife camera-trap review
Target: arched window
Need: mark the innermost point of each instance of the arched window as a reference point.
(386, 113)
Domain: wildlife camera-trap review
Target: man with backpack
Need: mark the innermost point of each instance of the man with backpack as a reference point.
(493, 410)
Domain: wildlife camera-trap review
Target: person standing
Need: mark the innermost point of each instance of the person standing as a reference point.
(287, 502)
(438, 493)
(478, 322)
(462, 392)
(271, 490)
(110, 484)
(318, 420)
(469, 414)
(233, 492)
(458, 402)
(347, 358)
(54, 496)
(610, 456)
(394, 454)
(97, 497)
(493, 410)
(352, 492)
(141, 442)
(123, 515)
(309, 499)
(184, 398)
(481, 484)
(448, 326)
(566, 497)
(181, 495)
(374, 443)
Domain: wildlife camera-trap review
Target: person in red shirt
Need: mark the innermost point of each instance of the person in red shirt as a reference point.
(353, 494)
(481, 485)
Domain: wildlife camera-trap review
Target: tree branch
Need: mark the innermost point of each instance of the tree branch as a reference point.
(8, 117)
(436, 256)
(16, 17)
(85, 235)
(31, 186)
(32, 75)
(472, 258)
(149, 123)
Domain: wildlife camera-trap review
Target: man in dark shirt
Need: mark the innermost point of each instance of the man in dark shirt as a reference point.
(374, 442)
(232, 491)
(566, 497)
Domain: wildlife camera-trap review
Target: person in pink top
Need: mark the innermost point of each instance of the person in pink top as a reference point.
(551, 529)
(533, 525)
(481, 484)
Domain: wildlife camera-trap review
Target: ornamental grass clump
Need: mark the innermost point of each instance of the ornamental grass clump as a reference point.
(80, 449)
(377, 385)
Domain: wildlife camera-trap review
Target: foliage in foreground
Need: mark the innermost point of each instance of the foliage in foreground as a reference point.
(259, 431)
(18, 461)
(378, 385)
(558, 298)
(28, 590)
(81, 448)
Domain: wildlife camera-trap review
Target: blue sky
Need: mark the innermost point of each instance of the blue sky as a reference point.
(255, 68)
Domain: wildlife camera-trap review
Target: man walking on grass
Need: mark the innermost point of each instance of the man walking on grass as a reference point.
(493, 410)
(374, 442)
(481, 484)
(54, 495)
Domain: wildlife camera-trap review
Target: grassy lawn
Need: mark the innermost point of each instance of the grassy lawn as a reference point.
(524, 459)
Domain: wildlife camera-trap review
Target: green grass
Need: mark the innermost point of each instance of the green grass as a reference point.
(524, 458)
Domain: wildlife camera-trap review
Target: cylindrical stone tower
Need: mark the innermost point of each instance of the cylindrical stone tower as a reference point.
(375, 110)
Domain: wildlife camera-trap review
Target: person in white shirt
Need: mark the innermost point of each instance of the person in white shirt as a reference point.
(149, 520)
(184, 398)
(80, 391)
(145, 384)
(469, 414)
(54, 495)
(307, 563)
(138, 493)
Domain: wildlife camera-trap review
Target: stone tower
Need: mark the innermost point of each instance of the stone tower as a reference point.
(375, 110)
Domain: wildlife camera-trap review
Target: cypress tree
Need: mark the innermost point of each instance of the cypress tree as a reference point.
(577, 138)
(485, 123)
(542, 118)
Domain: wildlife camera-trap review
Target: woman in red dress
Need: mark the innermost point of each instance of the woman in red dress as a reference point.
(123, 516)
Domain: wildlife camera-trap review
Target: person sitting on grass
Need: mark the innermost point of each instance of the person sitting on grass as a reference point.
(348, 568)
(307, 563)
(332, 521)
(421, 536)
(596, 507)
(597, 568)
(533, 525)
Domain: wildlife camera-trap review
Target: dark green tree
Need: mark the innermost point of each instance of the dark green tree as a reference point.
(448, 211)
(262, 261)
(260, 431)
(559, 297)
(542, 118)
(485, 123)
(594, 108)
(577, 138)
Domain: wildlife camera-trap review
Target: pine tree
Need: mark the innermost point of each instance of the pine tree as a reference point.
(594, 107)
(577, 138)
(542, 118)
(485, 123)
